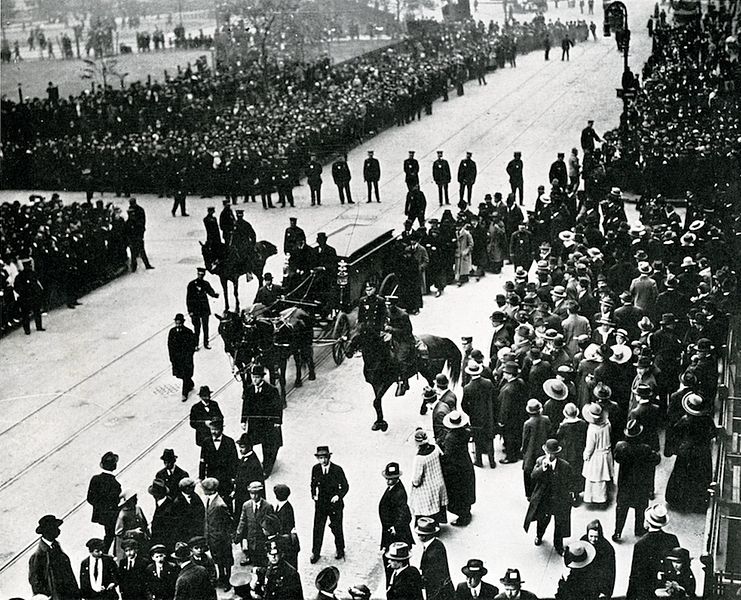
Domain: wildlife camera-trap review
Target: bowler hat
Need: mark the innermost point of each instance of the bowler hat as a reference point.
(441, 380)
(512, 577)
(570, 411)
(552, 446)
(498, 317)
(429, 394)
(257, 370)
(245, 440)
(204, 392)
(109, 461)
(398, 551)
(182, 552)
(168, 455)
(391, 471)
(327, 579)
(322, 451)
(427, 526)
(179, 317)
(474, 566)
(633, 429)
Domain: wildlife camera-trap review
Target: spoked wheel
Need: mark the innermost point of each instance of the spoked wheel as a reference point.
(389, 285)
(341, 336)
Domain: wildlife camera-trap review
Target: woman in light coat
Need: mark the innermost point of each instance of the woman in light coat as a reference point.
(428, 496)
(463, 249)
(598, 469)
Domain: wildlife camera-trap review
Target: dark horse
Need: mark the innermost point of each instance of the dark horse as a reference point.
(250, 338)
(381, 370)
(230, 263)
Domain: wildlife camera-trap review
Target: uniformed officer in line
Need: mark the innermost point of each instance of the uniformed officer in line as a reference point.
(199, 309)
(514, 170)
(411, 171)
(341, 176)
(466, 177)
(292, 236)
(441, 176)
(213, 236)
(284, 185)
(314, 179)
(277, 581)
(226, 221)
(372, 175)
(371, 311)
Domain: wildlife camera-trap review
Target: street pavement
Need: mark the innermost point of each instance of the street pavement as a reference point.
(99, 378)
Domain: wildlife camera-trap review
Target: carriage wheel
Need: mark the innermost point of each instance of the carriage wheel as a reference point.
(340, 334)
(389, 285)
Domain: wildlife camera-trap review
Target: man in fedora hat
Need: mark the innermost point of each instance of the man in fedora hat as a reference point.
(102, 494)
(511, 415)
(478, 403)
(162, 575)
(172, 474)
(219, 458)
(326, 582)
(201, 413)
(434, 568)
(181, 345)
(164, 519)
(49, 569)
(393, 510)
(552, 496)
(635, 477)
(218, 530)
(648, 553)
(328, 489)
(262, 417)
(643, 289)
(193, 582)
(199, 309)
(249, 469)
(249, 530)
(535, 433)
(627, 315)
(474, 587)
(188, 510)
(98, 573)
(405, 581)
(512, 583)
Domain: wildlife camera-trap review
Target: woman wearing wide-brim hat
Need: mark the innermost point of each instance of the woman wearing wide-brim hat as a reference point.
(692, 435)
(131, 523)
(598, 469)
(460, 479)
(579, 583)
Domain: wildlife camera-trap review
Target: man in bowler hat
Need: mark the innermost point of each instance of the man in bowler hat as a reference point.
(393, 510)
(262, 417)
(201, 413)
(474, 571)
(328, 489)
(102, 494)
(181, 345)
(434, 563)
(171, 474)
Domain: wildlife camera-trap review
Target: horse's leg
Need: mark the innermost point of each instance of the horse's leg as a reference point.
(282, 363)
(225, 289)
(379, 390)
(235, 281)
(298, 360)
(309, 357)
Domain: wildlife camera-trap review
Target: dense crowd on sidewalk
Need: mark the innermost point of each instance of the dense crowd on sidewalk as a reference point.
(232, 132)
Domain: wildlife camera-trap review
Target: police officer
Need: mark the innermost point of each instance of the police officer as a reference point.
(226, 221)
(292, 236)
(198, 307)
(441, 176)
(314, 179)
(372, 174)
(371, 311)
(398, 326)
(514, 170)
(279, 580)
(342, 177)
(213, 236)
(411, 171)
(284, 185)
(416, 205)
(466, 176)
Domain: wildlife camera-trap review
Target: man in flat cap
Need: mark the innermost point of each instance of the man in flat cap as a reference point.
(199, 309)
(181, 345)
(98, 573)
(328, 489)
(218, 530)
(262, 417)
(249, 530)
(49, 568)
(102, 494)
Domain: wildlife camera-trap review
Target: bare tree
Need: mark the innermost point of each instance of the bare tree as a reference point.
(101, 69)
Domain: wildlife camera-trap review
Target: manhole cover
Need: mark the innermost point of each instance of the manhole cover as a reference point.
(166, 389)
(190, 260)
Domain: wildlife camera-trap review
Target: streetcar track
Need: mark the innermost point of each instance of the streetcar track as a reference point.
(324, 356)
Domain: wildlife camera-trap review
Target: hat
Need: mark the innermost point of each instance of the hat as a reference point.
(591, 353)
(204, 392)
(128, 543)
(239, 211)
(621, 331)
(626, 297)
(656, 516)
(185, 483)
(257, 370)
(704, 345)
(322, 451)
(621, 354)
(688, 261)
(602, 391)
(255, 486)
(512, 577)
(511, 367)
(559, 291)
(645, 324)
(210, 484)
(668, 319)
(359, 592)
(466, 339)
(579, 554)
(391, 471)
(198, 540)
(182, 552)
(427, 526)
(474, 566)
(201, 269)
(565, 370)
(477, 355)
(633, 429)
(108, 461)
(679, 554)
(179, 317)
(456, 419)
(158, 488)
(697, 225)
(327, 579)
(441, 380)
(692, 404)
(168, 454)
(644, 268)
(420, 436)
(398, 551)
(616, 191)
(552, 446)
(556, 389)
(520, 273)
(245, 440)
(605, 351)
(473, 368)
(570, 411)
(95, 544)
(429, 394)
(644, 391)
(157, 548)
(643, 362)
(125, 496)
(688, 239)
(593, 413)
(566, 236)
(606, 320)
(268, 276)
(533, 406)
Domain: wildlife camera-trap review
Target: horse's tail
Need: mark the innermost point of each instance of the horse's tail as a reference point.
(454, 359)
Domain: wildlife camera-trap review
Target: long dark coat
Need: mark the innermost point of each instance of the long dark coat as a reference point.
(573, 439)
(102, 495)
(218, 529)
(552, 491)
(535, 433)
(165, 524)
(393, 511)
(263, 413)
(50, 573)
(436, 572)
(478, 403)
(512, 402)
(648, 553)
(249, 469)
(181, 344)
(189, 517)
(407, 585)
(636, 473)
(458, 473)
(603, 565)
(193, 583)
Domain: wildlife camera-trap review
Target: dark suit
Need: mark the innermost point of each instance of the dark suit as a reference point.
(635, 481)
(441, 176)
(162, 587)
(323, 489)
(249, 469)
(50, 573)
(188, 517)
(165, 524)
(132, 582)
(172, 479)
(263, 412)
(218, 528)
(196, 300)
(342, 177)
(102, 495)
(250, 529)
(220, 463)
(181, 344)
(435, 572)
(439, 430)
(371, 176)
(193, 584)
(478, 403)
(648, 553)
(466, 178)
(109, 570)
(199, 418)
(393, 511)
(512, 401)
(280, 582)
(411, 172)
(487, 592)
(551, 497)
(405, 585)
(268, 294)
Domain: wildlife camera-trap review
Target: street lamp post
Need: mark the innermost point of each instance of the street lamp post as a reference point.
(616, 17)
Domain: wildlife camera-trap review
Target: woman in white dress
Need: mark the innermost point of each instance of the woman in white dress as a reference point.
(598, 469)
(428, 496)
